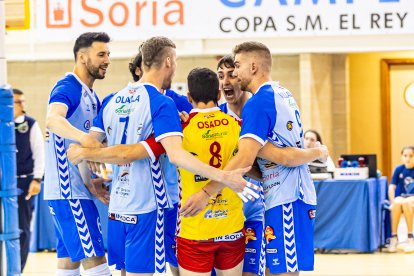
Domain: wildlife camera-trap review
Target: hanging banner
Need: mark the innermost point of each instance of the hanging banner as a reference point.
(64, 20)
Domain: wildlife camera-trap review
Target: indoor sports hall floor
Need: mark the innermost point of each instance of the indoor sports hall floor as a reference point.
(378, 264)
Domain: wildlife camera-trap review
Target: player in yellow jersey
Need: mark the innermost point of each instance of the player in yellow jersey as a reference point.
(214, 237)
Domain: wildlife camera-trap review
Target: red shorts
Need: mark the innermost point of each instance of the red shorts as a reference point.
(202, 256)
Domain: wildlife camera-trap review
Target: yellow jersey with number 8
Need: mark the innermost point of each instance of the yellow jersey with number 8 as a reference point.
(211, 136)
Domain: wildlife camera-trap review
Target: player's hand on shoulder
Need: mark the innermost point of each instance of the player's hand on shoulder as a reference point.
(184, 116)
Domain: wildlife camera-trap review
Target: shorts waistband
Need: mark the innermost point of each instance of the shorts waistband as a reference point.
(225, 238)
(130, 219)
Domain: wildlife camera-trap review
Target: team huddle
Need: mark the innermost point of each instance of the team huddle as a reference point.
(207, 188)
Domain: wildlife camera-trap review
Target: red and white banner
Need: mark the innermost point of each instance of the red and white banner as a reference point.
(64, 20)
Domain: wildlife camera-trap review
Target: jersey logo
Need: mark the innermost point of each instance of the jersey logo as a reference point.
(408, 180)
(216, 214)
(250, 250)
(269, 234)
(250, 235)
(213, 123)
(23, 127)
(289, 125)
(219, 200)
(312, 213)
(139, 129)
(199, 178)
(52, 212)
(130, 219)
(269, 164)
(209, 116)
(108, 130)
(267, 188)
(124, 111)
(124, 174)
(87, 125)
(208, 135)
(409, 185)
(230, 237)
(127, 99)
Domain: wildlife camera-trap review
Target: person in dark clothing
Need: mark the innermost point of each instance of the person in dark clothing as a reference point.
(30, 168)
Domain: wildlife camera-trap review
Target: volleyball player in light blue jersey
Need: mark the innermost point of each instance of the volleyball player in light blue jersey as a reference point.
(272, 115)
(169, 170)
(72, 106)
(138, 192)
(291, 222)
(254, 257)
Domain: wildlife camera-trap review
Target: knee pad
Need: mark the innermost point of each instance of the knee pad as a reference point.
(68, 272)
(100, 270)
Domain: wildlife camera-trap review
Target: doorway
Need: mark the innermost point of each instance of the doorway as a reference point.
(397, 76)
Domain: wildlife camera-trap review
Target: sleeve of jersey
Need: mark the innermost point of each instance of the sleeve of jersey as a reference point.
(98, 124)
(67, 95)
(183, 104)
(256, 122)
(181, 101)
(394, 179)
(154, 148)
(165, 119)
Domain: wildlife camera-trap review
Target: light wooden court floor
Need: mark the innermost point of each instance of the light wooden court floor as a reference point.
(378, 264)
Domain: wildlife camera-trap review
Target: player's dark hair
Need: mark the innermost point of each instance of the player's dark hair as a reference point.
(227, 61)
(155, 50)
(134, 64)
(203, 85)
(85, 40)
(407, 148)
(318, 136)
(17, 92)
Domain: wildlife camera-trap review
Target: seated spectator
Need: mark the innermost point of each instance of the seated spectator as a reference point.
(401, 195)
(311, 138)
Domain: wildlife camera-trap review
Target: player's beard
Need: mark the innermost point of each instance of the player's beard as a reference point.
(244, 84)
(94, 71)
(166, 84)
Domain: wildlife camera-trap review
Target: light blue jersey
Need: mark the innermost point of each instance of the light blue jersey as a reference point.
(272, 115)
(253, 210)
(128, 117)
(62, 178)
